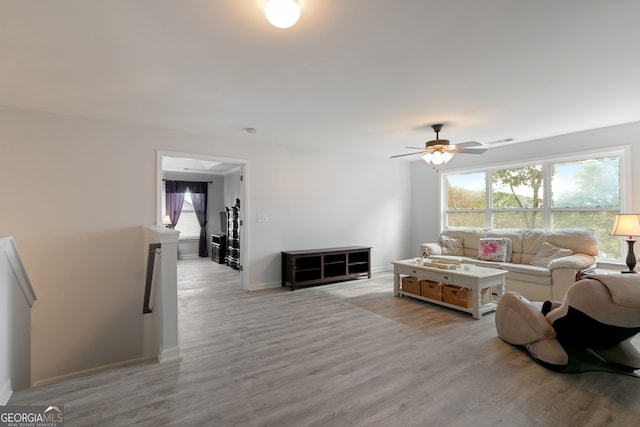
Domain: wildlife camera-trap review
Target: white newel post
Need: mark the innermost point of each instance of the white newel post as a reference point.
(161, 325)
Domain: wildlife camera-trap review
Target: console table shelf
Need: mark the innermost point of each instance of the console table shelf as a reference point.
(318, 266)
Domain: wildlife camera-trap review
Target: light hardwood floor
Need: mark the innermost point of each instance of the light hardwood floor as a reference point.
(346, 354)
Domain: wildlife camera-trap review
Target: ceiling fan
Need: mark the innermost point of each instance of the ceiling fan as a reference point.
(438, 151)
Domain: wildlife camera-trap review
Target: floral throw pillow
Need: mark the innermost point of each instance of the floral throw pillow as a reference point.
(493, 250)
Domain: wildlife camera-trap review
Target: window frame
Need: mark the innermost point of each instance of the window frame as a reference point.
(626, 183)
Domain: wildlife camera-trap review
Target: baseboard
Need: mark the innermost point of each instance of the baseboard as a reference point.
(188, 256)
(169, 355)
(5, 392)
(85, 372)
(382, 269)
(264, 285)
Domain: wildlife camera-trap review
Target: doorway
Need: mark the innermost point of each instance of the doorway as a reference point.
(232, 171)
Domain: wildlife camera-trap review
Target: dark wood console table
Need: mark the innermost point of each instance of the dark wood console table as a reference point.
(318, 266)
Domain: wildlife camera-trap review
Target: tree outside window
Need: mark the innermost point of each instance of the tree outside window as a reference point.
(517, 197)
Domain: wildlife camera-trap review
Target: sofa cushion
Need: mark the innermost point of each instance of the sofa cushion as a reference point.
(431, 249)
(531, 243)
(548, 253)
(470, 238)
(520, 272)
(574, 262)
(525, 269)
(493, 249)
(527, 273)
(451, 245)
(513, 276)
(579, 240)
(481, 263)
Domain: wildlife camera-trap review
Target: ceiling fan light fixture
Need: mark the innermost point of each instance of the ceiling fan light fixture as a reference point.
(282, 13)
(437, 157)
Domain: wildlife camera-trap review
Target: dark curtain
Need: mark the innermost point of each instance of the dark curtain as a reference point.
(199, 192)
(175, 198)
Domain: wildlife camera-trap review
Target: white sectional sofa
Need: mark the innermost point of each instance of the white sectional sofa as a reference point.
(540, 264)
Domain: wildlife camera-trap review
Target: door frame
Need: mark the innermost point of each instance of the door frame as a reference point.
(244, 200)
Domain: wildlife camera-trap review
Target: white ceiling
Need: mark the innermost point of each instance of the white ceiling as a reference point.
(196, 166)
(356, 75)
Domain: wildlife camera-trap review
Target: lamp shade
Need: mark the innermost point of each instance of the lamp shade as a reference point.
(282, 13)
(626, 225)
(166, 220)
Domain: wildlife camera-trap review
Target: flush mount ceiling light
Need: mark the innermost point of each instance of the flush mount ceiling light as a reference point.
(282, 13)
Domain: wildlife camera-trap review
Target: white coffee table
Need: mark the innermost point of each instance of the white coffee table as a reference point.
(466, 276)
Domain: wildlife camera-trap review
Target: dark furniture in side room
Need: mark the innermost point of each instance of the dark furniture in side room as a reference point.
(233, 237)
(218, 248)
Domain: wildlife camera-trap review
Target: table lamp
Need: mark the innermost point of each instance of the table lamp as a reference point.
(166, 221)
(627, 225)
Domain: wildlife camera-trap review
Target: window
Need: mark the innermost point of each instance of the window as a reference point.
(577, 192)
(517, 197)
(587, 194)
(188, 222)
(466, 196)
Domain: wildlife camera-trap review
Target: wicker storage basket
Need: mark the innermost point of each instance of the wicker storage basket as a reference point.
(431, 289)
(411, 285)
(463, 296)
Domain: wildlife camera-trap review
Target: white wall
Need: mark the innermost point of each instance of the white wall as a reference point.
(426, 188)
(232, 190)
(77, 191)
(315, 199)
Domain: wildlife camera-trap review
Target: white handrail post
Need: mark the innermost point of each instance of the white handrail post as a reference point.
(161, 340)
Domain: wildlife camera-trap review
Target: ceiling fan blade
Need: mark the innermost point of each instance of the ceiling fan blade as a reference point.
(415, 148)
(408, 154)
(442, 146)
(498, 141)
(458, 149)
(469, 144)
